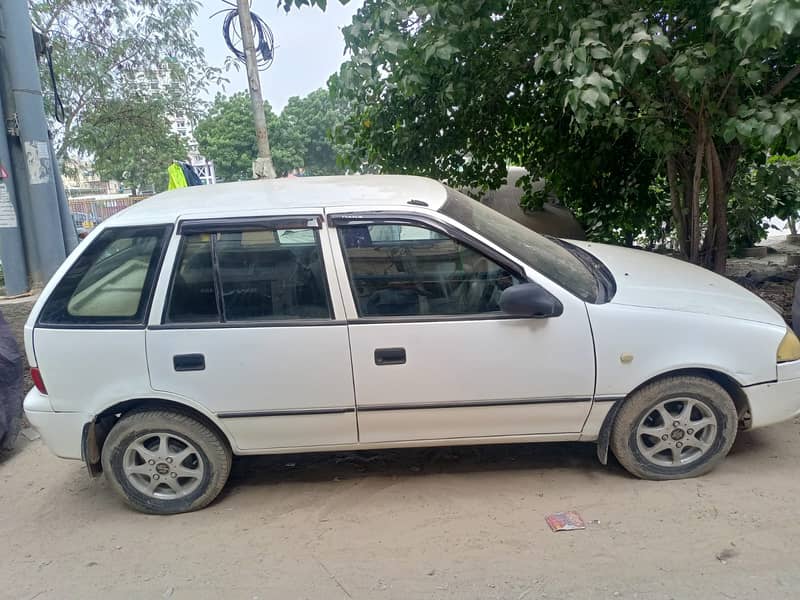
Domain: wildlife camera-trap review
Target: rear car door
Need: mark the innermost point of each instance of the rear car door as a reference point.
(433, 356)
(249, 329)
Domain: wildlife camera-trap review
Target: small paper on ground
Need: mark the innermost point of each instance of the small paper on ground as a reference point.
(565, 521)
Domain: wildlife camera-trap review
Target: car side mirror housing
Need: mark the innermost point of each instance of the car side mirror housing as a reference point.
(530, 300)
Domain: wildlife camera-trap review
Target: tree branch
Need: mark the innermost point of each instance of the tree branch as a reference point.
(787, 79)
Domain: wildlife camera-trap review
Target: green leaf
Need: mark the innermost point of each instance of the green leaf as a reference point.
(744, 128)
(537, 63)
(640, 36)
(640, 53)
(600, 52)
(764, 114)
(698, 74)
(661, 41)
(590, 96)
(572, 99)
(771, 131)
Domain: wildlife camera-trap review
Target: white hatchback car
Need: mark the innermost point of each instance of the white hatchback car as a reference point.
(343, 313)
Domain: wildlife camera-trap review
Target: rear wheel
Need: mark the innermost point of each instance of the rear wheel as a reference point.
(164, 462)
(676, 428)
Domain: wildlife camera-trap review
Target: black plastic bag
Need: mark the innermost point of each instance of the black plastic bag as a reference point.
(11, 381)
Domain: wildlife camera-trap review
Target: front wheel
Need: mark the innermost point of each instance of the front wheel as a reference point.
(676, 428)
(164, 462)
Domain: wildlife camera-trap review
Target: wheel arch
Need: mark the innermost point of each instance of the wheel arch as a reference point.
(96, 430)
(730, 385)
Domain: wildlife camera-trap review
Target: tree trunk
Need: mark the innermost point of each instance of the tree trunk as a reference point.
(694, 214)
(716, 180)
(678, 213)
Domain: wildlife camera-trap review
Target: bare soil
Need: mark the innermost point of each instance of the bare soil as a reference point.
(453, 523)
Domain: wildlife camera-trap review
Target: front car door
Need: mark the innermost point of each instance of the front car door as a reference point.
(433, 356)
(246, 326)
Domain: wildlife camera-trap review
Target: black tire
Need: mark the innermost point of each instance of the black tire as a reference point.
(209, 457)
(645, 407)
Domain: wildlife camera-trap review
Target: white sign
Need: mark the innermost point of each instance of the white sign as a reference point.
(8, 216)
(37, 155)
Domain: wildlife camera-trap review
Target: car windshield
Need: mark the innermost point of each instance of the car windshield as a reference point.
(548, 258)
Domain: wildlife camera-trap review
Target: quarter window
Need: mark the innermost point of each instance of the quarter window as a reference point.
(111, 281)
(261, 275)
(411, 270)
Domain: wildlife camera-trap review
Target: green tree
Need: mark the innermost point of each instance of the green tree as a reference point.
(130, 141)
(299, 136)
(227, 136)
(467, 85)
(759, 191)
(108, 50)
(313, 118)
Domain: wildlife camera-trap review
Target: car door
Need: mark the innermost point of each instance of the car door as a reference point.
(249, 330)
(433, 356)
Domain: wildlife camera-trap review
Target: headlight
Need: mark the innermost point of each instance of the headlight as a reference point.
(789, 348)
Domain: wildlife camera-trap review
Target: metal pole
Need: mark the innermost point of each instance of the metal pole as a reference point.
(40, 214)
(12, 252)
(67, 223)
(262, 166)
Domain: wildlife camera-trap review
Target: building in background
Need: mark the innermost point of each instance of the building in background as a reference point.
(159, 81)
(182, 125)
(80, 179)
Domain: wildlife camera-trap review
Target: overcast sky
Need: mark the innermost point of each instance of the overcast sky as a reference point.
(309, 47)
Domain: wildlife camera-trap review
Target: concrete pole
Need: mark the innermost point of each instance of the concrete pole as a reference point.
(67, 223)
(12, 252)
(39, 212)
(262, 166)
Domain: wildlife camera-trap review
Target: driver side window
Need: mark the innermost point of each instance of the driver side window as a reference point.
(411, 270)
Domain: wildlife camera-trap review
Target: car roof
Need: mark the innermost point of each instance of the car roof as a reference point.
(292, 193)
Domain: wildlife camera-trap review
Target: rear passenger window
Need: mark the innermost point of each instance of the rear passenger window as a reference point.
(249, 276)
(111, 281)
(193, 297)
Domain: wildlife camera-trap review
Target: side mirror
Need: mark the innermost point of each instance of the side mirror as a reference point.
(530, 300)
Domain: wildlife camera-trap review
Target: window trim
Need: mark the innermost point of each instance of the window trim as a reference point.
(401, 218)
(147, 294)
(241, 224)
(311, 222)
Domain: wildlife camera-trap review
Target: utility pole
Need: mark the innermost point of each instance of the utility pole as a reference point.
(36, 227)
(12, 251)
(262, 166)
(43, 217)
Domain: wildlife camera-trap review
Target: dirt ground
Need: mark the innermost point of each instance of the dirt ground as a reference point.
(453, 523)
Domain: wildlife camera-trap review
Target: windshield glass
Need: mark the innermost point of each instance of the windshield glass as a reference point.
(548, 258)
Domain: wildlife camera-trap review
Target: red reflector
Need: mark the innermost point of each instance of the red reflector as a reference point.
(36, 375)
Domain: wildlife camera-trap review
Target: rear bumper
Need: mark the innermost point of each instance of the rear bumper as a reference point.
(777, 401)
(61, 431)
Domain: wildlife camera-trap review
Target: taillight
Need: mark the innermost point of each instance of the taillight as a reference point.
(36, 375)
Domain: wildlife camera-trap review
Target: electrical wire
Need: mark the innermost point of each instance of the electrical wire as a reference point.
(262, 37)
(43, 48)
(58, 105)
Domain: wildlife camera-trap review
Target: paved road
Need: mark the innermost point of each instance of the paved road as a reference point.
(450, 523)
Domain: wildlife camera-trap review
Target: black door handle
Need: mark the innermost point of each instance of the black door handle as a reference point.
(189, 362)
(390, 356)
